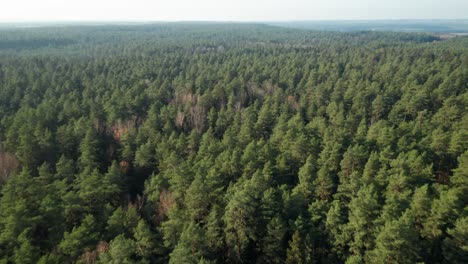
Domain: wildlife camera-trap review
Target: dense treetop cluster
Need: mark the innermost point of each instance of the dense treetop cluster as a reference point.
(232, 143)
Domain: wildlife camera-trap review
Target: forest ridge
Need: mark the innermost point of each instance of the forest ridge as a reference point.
(232, 143)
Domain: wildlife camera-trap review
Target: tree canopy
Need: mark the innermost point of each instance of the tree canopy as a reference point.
(232, 143)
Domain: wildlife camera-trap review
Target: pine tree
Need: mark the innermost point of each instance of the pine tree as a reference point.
(398, 242)
(214, 231)
(145, 156)
(121, 250)
(455, 246)
(296, 251)
(363, 211)
(90, 153)
(27, 149)
(113, 183)
(191, 247)
(421, 205)
(324, 184)
(65, 169)
(272, 244)
(240, 221)
(116, 223)
(197, 200)
(25, 252)
(81, 238)
(91, 189)
(306, 177)
(20, 212)
(336, 227)
(351, 170)
(145, 240)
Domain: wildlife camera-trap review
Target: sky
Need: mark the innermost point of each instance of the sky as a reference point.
(228, 10)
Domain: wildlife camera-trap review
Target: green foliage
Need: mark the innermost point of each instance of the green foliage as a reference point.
(25, 252)
(398, 242)
(231, 143)
(455, 246)
(273, 243)
(120, 250)
(89, 150)
(363, 211)
(81, 238)
(145, 240)
(298, 252)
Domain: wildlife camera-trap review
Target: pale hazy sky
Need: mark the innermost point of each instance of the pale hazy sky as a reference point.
(228, 10)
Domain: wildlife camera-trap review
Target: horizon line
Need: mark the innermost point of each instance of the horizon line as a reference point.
(223, 21)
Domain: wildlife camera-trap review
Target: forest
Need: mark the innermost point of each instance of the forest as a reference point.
(232, 143)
